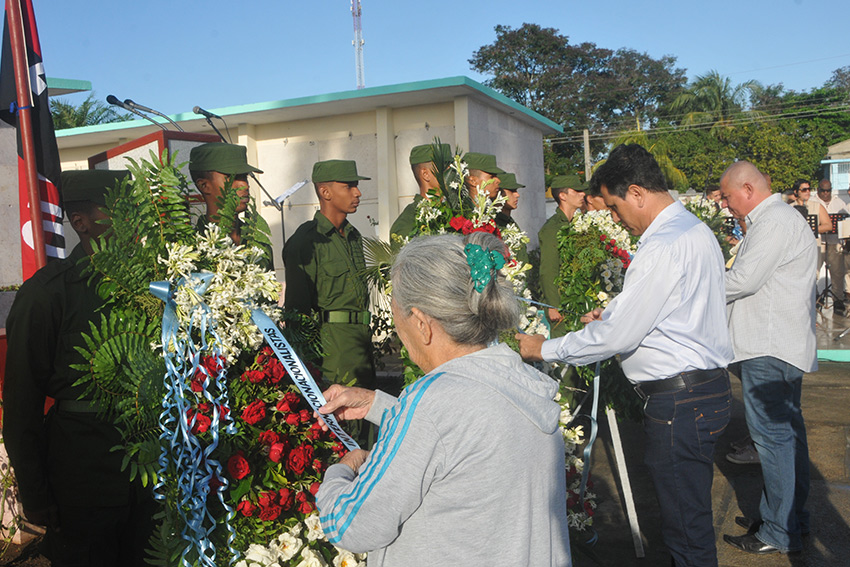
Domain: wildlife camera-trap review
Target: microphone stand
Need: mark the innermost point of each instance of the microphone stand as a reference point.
(136, 106)
(113, 100)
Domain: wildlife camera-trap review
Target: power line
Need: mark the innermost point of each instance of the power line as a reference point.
(705, 126)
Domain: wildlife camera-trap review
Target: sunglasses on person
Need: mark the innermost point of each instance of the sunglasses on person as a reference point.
(805, 189)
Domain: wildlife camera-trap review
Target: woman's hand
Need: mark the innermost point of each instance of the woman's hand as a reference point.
(354, 459)
(345, 403)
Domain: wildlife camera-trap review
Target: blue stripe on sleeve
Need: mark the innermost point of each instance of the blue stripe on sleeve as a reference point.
(378, 465)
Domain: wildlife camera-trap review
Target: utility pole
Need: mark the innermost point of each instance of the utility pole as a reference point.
(586, 154)
(358, 42)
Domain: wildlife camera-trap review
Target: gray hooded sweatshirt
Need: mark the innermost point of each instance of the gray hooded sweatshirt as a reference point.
(468, 470)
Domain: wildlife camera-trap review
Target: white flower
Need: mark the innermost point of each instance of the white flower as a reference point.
(314, 527)
(296, 530)
(602, 296)
(311, 559)
(345, 559)
(287, 545)
(261, 555)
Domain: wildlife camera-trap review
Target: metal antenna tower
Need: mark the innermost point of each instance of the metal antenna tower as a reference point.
(358, 42)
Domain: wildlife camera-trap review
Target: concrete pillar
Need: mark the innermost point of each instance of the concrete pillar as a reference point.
(386, 171)
(462, 123)
(247, 137)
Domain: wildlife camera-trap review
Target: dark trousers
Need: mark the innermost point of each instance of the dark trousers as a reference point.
(103, 536)
(681, 430)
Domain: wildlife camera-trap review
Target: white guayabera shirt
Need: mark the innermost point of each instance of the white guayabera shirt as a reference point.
(671, 315)
(771, 287)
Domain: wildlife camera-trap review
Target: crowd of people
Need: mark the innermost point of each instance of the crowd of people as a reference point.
(424, 485)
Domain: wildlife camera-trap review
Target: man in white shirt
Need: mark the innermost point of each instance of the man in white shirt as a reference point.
(669, 325)
(771, 295)
(834, 249)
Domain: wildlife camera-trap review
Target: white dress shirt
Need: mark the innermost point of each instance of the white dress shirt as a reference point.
(670, 316)
(771, 288)
(835, 206)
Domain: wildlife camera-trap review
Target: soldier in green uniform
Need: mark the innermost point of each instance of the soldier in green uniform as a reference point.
(568, 192)
(482, 173)
(69, 478)
(324, 264)
(211, 166)
(509, 187)
(422, 164)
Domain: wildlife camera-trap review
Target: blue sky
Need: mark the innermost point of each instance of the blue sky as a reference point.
(173, 55)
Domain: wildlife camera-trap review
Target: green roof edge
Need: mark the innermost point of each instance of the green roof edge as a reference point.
(76, 84)
(329, 97)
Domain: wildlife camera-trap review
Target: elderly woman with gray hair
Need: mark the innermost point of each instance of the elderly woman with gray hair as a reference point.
(468, 468)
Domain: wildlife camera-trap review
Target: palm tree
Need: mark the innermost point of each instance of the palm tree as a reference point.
(675, 177)
(712, 98)
(90, 112)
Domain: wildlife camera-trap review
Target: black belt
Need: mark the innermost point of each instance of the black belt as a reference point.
(351, 317)
(678, 382)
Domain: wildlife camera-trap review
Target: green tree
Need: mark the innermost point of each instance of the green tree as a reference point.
(676, 178)
(577, 85)
(712, 98)
(88, 113)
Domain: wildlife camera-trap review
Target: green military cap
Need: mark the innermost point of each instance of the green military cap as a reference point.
(230, 159)
(340, 170)
(482, 162)
(508, 181)
(89, 184)
(573, 182)
(425, 153)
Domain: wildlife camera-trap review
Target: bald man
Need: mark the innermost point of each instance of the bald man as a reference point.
(770, 294)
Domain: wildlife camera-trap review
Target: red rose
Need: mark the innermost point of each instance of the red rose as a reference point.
(223, 411)
(197, 383)
(301, 496)
(269, 438)
(198, 421)
(287, 499)
(602, 238)
(271, 513)
(319, 466)
(299, 458)
(204, 407)
(246, 508)
(305, 416)
(275, 371)
(265, 353)
(276, 452)
(314, 488)
(237, 466)
(457, 223)
(293, 419)
(306, 507)
(254, 376)
(255, 412)
(315, 432)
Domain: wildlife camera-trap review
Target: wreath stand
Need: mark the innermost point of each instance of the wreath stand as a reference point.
(620, 458)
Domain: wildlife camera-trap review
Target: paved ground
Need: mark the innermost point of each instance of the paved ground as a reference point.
(736, 490)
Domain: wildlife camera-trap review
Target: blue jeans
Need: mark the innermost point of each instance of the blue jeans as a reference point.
(681, 430)
(772, 402)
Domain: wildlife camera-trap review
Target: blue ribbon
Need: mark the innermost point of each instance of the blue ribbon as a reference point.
(193, 463)
(299, 374)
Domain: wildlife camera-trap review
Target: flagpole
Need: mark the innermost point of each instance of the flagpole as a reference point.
(17, 39)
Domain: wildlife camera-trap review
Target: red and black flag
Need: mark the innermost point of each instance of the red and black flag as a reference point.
(45, 150)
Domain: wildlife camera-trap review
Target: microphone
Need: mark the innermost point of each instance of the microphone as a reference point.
(137, 106)
(113, 100)
(205, 113)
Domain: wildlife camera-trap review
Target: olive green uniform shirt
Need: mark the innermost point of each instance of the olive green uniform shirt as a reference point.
(65, 458)
(324, 275)
(406, 221)
(550, 263)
